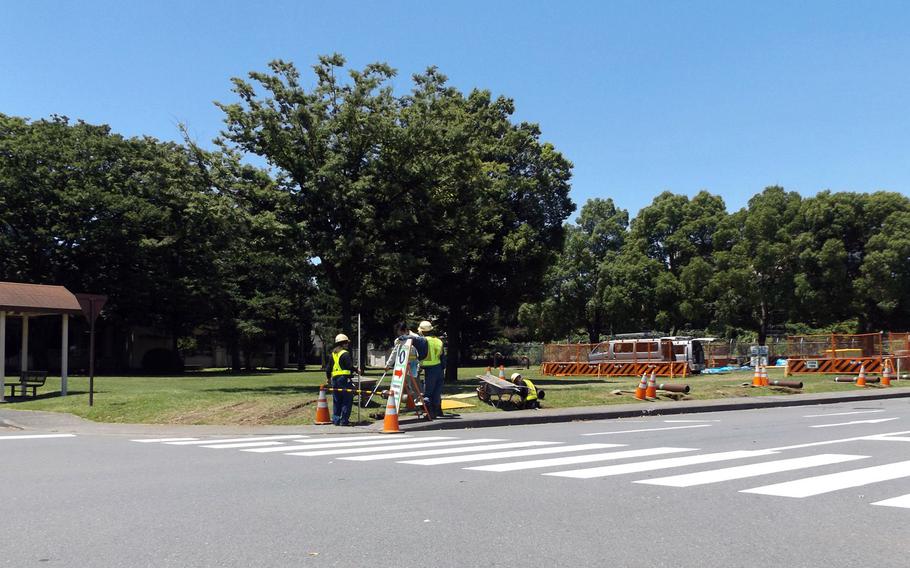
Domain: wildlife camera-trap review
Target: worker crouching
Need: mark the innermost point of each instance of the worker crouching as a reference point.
(530, 395)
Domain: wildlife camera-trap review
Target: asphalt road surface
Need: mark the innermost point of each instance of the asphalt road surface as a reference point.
(824, 486)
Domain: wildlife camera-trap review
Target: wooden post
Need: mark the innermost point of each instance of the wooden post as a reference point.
(64, 354)
(23, 354)
(2, 354)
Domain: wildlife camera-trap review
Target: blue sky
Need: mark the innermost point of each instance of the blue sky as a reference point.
(641, 96)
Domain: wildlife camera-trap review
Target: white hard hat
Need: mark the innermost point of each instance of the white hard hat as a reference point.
(425, 326)
(515, 376)
(340, 338)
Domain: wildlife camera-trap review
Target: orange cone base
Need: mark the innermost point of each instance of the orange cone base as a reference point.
(322, 410)
(390, 425)
(390, 422)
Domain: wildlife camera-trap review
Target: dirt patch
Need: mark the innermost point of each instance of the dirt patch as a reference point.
(249, 413)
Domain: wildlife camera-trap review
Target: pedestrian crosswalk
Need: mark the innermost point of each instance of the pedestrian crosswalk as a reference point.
(758, 471)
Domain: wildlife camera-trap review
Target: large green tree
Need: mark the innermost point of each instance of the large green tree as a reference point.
(575, 283)
(679, 233)
(493, 198)
(330, 142)
(755, 262)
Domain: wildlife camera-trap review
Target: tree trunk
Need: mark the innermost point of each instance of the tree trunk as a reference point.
(346, 311)
(248, 356)
(763, 324)
(279, 348)
(234, 347)
(453, 347)
(305, 344)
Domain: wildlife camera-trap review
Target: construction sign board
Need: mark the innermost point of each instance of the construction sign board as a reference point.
(400, 370)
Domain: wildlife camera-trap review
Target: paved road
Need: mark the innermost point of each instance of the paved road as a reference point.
(808, 486)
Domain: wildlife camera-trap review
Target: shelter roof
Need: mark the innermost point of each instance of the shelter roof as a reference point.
(37, 299)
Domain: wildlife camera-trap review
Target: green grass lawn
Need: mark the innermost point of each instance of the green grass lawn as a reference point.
(290, 397)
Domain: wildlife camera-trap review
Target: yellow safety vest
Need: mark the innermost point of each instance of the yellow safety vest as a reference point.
(434, 353)
(532, 390)
(337, 371)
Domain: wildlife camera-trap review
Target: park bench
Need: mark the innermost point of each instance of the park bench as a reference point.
(28, 379)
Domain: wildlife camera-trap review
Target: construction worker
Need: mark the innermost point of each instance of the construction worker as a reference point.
(340, 374)
(528, 392)
(434, 370)
(419, 348)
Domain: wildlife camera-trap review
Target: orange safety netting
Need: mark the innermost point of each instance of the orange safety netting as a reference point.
(835, 346)
(567, 352)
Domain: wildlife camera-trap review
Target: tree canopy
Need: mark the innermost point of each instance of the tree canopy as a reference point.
(427, 204)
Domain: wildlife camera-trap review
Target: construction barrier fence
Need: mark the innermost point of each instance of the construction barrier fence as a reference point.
(847, 353)
(616, 369)
(730, 352)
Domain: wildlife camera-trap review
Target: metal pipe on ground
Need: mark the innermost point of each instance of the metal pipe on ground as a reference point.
(853, 379)
(673, 388)
(789, 384)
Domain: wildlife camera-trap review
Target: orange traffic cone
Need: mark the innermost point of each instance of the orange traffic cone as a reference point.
(489, 369)
(502, 372)
(651, 391)
(861, 379)
(390, 422)
(322, 408)
(756, 378)
(642, 389)
(764, 377)
(887, 374)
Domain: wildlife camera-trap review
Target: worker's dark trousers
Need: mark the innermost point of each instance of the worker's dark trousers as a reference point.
(342, 402)
(432, 390)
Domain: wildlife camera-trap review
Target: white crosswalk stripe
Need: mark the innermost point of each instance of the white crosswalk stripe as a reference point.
(562, 459)
(903, 502)
(854, 422)
(751, 470)
(392, 447)
(509, 454)
(638, 467)
(817, 485)
(304, 444)
(573, 460)
(842, 413)
(158, 440)
(35, 436)
(378, 441)
(648, 430)
(231, 440)
(445, 451)
(241, 445)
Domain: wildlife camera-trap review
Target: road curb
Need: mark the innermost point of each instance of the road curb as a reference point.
(64, 422)
(523, 417)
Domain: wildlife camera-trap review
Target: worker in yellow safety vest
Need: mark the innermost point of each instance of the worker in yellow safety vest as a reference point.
(434, 370)
(530, 396)
(340, 374)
